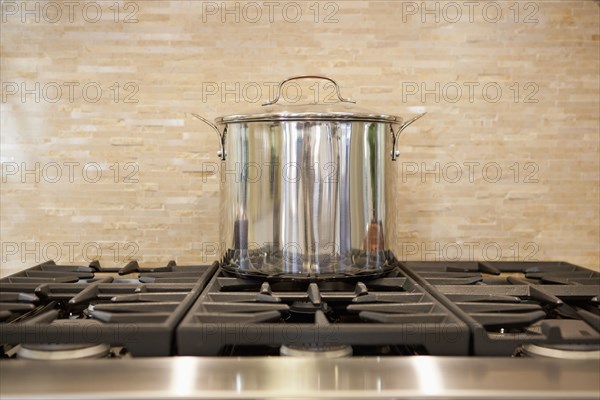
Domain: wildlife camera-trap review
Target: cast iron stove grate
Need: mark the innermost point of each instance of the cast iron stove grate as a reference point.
(513, 304)
(132, 308)
(390, 312)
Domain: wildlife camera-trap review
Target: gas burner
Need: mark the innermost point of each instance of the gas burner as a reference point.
(562, 351)
(510, 304)
(54, 352)
(316, 351)
(319, 319)
(130, 307)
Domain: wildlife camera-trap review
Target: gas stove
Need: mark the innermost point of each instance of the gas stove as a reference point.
(531, 316)
(417, 308)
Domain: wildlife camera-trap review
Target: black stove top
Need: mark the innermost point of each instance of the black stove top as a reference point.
(385, 315)
(511, 304)
(417, 308)
(128, 308)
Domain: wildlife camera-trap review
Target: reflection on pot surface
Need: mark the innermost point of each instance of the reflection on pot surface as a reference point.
(307, 196)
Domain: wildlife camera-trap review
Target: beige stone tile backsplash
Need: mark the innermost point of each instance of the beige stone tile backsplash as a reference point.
(101, 158)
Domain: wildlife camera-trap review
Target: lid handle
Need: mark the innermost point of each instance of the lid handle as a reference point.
(278, 90)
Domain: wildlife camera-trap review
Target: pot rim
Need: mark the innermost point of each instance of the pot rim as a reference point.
(309, 116)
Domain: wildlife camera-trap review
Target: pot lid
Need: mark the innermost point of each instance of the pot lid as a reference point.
(341, 110)
(310, 112)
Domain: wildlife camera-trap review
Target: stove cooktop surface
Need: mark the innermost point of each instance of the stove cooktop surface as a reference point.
(388, 315)
(535, 308)
(55, 311)
(539, 309)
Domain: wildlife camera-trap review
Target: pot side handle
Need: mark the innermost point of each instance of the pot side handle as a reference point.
(396, 153)
(221, 153)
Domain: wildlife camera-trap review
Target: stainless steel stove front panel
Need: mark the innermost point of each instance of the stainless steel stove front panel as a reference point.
(283, 377)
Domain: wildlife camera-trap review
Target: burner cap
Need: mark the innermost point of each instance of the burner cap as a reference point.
(316, 351)
(564, 351)
(53, 351)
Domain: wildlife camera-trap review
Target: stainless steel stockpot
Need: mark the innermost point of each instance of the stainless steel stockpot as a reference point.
(303, 188)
